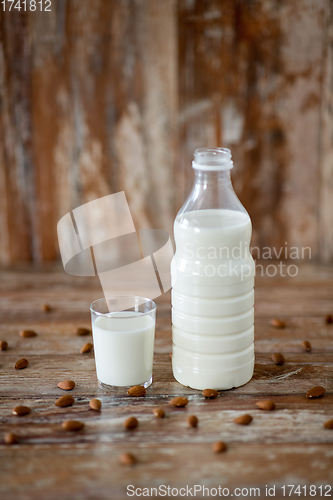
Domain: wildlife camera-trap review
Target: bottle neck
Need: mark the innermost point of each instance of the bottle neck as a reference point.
(211, 177)
(212, 188)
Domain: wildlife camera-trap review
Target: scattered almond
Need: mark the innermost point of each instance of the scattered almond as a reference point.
(219, 447)
(28, 333)
(243, 419)
(210, 393)
(328, 424)
(136, 391)
(11, 438)
(83, 331)
(3, 345)
(278, 358)
(267, 405)
(86, 348)
(158, 412)
(316, 392)
(21, 410)
(306, 345)
(46, 308)
(329, 319)
(21, 363)
(277, 323)
(65, 401)
(72, 425)
(192, 421)
(179, 402)
(66, 385)
(131, 423)
(95, 404)
(127, 459)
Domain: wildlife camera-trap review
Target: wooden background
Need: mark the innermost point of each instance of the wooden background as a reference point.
(109, 95)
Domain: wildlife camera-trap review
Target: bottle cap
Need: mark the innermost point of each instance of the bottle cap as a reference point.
(212, 159)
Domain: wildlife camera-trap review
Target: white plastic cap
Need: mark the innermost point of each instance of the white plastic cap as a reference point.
(212, 159)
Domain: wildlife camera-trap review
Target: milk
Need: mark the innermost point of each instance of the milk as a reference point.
(124, 348)
(212, 299)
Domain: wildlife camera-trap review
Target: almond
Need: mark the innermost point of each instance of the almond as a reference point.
(127, 459)
(179, 402)
(28, 333)
(131, 423)
(72, 425)
(328, 424)
(170, 355)
(136, 391)
(66, 385)
(219, 447)
(3, 345)
(329, 319)
(277, 323)
(266, 404)
(86, 348)
(83, 331)
(192, 421)
(158, 412)
(21, 410)
(316, 392)
(11, 438)
(46, 308)
(243, 419)
(210, 393)
(278, 358)
(95, 404)
(21, 363)
(306, 345)
(65, 401)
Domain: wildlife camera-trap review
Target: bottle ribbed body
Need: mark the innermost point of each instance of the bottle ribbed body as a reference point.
(212, 275)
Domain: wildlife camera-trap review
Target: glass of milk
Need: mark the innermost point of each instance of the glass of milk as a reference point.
(123, 333)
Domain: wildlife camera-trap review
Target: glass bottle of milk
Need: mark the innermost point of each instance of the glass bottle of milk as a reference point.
(212, 275)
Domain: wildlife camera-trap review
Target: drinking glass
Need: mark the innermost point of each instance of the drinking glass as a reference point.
(123, 333)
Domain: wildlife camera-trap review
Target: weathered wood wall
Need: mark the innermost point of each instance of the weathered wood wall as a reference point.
(256, 77)
(108, 95)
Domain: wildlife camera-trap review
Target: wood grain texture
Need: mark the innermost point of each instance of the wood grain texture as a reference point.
(251, 79)
(19, 233)
(325, 209)
(286, 446)
(99, 97)
(155, 468)
(89, 99)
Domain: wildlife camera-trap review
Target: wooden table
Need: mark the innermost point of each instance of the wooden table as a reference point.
(287, 446)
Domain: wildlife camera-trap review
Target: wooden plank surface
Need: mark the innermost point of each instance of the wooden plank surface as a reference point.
(287, 446)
